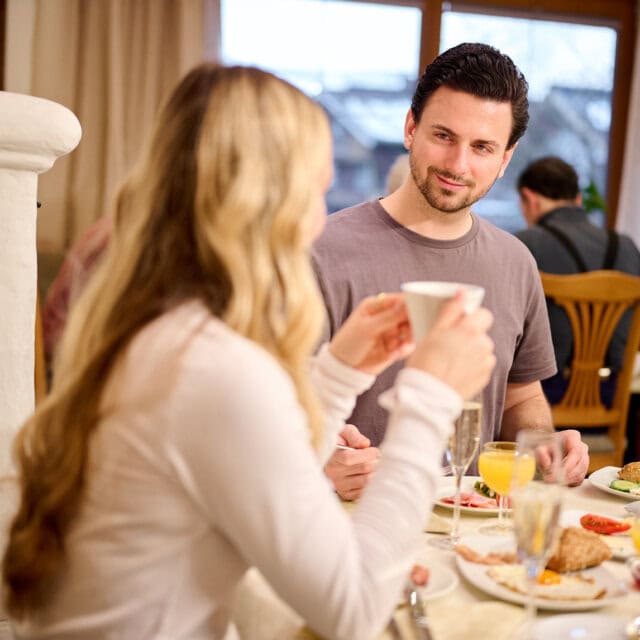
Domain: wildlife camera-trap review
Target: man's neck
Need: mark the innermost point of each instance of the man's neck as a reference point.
(412, 211)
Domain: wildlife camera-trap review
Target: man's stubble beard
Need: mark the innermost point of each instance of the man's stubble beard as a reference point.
(438, 197)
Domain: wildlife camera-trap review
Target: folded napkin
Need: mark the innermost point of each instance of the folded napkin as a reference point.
(438, 524)
(495, 620)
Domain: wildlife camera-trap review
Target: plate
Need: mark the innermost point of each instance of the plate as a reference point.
(586, 626)
(620, 543)
(442, 580)
(474, 511)
(476, 574)
(602, 478)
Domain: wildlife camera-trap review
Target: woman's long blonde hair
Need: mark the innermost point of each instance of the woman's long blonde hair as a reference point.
(219, 210)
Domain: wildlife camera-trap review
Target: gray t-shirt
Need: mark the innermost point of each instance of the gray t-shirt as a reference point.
(363, 251)
(591, 244)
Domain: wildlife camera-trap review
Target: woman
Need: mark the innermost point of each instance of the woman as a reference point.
(177, 446)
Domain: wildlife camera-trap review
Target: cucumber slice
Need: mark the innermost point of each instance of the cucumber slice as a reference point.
(623, 485)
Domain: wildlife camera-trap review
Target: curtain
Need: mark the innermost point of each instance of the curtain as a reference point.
(112, 62)
(628, 219)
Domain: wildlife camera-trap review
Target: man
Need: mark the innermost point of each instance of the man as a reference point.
(563, 240)
(467, 114)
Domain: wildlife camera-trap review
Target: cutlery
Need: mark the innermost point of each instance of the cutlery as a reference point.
(418, 612)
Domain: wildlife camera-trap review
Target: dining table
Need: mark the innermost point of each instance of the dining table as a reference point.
(462, 611)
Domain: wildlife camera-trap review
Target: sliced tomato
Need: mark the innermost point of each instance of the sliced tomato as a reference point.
(602, 524)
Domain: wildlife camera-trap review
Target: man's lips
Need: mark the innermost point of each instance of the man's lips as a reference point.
(449, 184)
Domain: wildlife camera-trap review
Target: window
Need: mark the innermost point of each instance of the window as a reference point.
(364, 76)
(360, 59)
(570, 70)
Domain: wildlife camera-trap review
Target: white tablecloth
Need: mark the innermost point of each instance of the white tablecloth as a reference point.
(464, 613)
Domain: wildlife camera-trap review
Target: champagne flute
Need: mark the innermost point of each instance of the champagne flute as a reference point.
(536, 502)
(461, 448)
(496, 466)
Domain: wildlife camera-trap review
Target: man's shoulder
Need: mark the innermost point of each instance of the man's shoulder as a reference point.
(343, 226)
(353, 215)
(530, 236)
(505, 239)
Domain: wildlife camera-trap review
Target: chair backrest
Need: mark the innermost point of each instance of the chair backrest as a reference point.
(595, 302)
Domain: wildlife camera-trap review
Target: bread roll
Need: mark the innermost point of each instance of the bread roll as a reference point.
(578, 549)
(630, 472)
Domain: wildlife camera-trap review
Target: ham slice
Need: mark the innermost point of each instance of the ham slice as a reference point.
(472, 499)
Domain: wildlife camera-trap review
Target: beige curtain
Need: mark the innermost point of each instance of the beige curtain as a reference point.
(628, 218)
(112, 62)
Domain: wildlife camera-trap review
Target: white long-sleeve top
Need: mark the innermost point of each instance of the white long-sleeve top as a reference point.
(202, 466)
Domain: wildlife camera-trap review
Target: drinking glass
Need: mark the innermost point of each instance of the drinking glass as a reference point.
(536, 498)
(495, 465)
(461, 449)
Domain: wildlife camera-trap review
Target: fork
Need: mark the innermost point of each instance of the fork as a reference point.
(418, 612)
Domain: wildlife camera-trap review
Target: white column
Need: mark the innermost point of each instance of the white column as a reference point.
(33, 133)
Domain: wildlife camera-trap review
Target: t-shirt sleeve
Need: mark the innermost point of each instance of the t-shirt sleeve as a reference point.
(534, 357)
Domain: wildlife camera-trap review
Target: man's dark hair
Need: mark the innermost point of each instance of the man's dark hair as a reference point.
(482, 71)
(551, 177)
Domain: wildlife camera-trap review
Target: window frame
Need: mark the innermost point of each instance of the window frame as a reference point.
(3, 22)
(617, 14)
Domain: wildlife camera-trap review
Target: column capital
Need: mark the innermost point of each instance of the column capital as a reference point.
(34, 132)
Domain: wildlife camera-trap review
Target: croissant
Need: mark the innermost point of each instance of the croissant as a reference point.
(578, 549)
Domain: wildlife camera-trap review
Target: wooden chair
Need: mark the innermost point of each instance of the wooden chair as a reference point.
(594, 303)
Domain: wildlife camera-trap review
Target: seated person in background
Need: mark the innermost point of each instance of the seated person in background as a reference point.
(467, 114)
(78, 265)
(184, 436)
(563, 240)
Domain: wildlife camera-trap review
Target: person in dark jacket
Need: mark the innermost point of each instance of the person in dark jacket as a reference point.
(563, 240)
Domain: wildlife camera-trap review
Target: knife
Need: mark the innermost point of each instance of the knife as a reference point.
(418, 612)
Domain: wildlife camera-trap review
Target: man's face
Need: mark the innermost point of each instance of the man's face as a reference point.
(458, 149)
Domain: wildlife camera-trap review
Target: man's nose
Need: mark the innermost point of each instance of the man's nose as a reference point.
(457, 160)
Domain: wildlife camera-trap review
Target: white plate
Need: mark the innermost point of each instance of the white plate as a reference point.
(476, 574)
(586, 626)
(620, 543)
(474, 511)
(442, 580)
(602, 478)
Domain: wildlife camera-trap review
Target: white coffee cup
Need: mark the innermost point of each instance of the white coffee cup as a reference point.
(425, 298)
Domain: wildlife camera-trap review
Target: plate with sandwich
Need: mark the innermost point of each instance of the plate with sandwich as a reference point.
(614, 532)
(574, 579)
(623, 482)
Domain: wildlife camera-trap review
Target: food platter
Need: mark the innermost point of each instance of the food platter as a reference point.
(477, 575)
(467, 487)
(602, 478)
(620, 544)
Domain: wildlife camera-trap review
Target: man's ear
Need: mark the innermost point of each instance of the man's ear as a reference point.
(409, 129)
(530, 204)
(506, 159)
